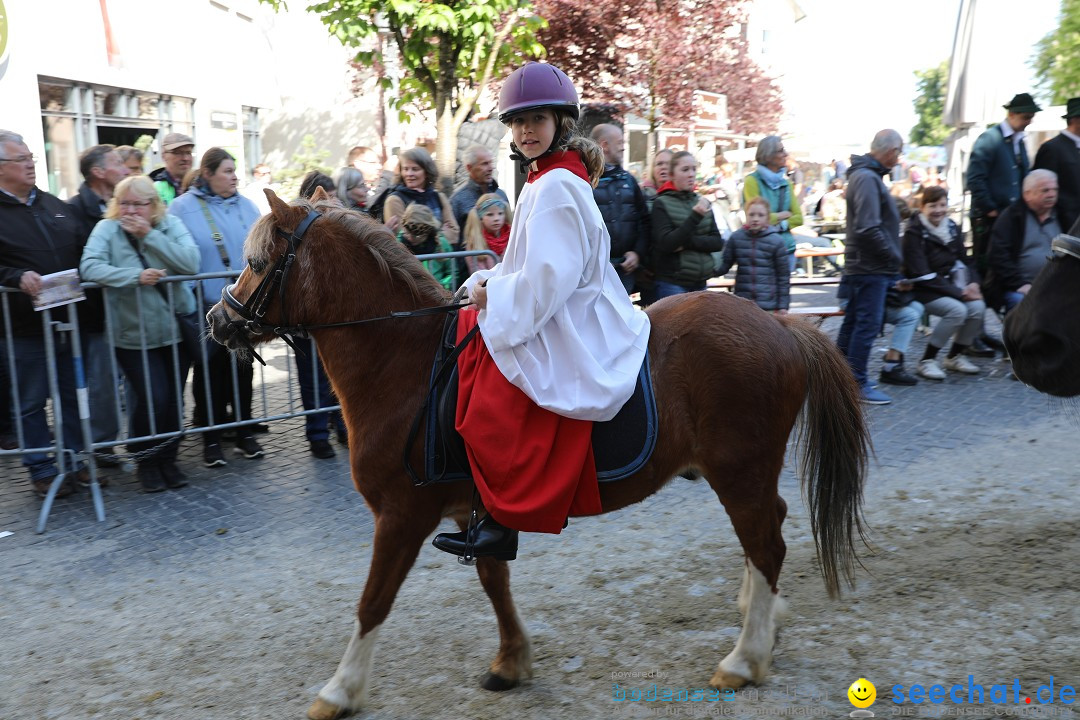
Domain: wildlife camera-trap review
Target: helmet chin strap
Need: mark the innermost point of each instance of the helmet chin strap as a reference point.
(523, 162)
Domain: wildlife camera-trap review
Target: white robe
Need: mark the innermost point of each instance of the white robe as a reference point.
(558, 322)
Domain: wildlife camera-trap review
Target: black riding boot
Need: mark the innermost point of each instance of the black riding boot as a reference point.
(487, 539)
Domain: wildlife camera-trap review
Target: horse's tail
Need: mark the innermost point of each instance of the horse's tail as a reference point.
(835, 445)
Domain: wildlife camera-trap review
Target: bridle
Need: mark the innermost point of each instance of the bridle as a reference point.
(1066, 245)
(253, 312)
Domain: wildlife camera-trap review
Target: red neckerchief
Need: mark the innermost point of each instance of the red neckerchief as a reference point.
(497, 243)
(666, 187)
(567, 160)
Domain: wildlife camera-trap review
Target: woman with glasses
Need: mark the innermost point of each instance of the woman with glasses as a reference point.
(351, 189)
(130, 251)
(771, 182)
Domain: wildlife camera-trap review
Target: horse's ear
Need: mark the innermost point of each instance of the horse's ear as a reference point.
(319, 195)
(278, 208)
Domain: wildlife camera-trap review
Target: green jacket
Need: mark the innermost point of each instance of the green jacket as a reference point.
(109, 259)
(445, 271)
(682, 239)
(783, 198)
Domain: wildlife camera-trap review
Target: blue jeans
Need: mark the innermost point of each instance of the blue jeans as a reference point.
(7, 417)
(904, 321)
(1012, 299)
(666, 289)
(31, 371)
(862, 320)
(154, 394)
(316, 425)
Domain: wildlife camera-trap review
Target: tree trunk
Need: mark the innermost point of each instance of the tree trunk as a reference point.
(446, 147)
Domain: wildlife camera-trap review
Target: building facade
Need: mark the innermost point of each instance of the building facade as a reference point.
(230, 73)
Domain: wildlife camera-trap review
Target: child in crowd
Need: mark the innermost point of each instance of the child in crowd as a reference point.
(420, 233)
(487, 228)
(560, 344)
(761, 254)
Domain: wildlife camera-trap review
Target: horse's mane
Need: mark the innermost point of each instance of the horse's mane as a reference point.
(395, 262)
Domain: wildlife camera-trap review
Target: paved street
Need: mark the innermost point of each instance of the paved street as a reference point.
(287, 530)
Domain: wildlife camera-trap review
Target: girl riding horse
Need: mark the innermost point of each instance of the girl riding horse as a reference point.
(561, 343)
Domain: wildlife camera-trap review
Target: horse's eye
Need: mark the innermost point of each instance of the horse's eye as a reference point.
(257, 266)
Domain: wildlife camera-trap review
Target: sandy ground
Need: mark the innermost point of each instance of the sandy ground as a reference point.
(974, 573)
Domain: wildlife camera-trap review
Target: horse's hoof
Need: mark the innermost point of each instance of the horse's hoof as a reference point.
(723, 680)
(497, 683)
(322, 710)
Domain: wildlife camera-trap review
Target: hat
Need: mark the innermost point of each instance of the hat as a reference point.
(174, 141)
(1072, 109)
(1022, 103)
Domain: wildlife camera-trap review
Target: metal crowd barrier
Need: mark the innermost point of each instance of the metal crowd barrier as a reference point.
(60, 325)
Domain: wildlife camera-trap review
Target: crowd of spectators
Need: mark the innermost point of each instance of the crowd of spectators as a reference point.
(670, 234)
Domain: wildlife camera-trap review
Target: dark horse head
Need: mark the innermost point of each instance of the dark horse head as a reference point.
(1042, 334)
(314, 263)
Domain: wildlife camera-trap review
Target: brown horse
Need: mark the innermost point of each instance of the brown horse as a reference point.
(730, 383)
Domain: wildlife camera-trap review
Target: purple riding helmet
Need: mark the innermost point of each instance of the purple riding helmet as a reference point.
(536, 85)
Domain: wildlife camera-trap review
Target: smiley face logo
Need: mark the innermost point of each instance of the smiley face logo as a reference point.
(862, 693)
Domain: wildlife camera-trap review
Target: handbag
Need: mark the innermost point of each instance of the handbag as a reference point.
(192, 338)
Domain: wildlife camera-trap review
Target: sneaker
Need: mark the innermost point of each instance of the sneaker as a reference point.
(41, 487)
(961, 364)
(9, 442)
(873, 396)
(898, 376)
(82, 479)
(321, 449)
(930, 370)
(978, 348)
(212, 455)
(247, 447)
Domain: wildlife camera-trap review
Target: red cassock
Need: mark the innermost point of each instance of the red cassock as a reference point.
(532, 467)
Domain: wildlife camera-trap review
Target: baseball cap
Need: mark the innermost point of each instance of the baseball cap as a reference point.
(174, 141)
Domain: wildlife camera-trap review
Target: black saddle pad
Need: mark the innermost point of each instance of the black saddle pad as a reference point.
(621, 446)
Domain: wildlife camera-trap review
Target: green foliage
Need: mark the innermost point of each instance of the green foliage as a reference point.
(446, 48)
(1057, 56)
(308, 158)
(930, 104)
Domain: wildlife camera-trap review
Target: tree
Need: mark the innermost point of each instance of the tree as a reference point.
(1057, 56)
(649, 56)
(930, 104)
(450, 51)
(308, 158)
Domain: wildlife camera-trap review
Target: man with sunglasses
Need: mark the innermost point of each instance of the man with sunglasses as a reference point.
(176, 149)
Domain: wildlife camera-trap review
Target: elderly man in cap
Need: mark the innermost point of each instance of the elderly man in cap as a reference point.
(1062, 155)
(176, 149)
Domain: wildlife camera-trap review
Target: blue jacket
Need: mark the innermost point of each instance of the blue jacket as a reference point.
(993, 176)
(764, 267)
(622, 204)
(233, 217)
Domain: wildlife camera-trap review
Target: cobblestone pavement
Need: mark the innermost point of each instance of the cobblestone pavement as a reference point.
(283, 529)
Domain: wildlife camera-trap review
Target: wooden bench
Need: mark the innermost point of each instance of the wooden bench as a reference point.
(818, 314)
(725, 283)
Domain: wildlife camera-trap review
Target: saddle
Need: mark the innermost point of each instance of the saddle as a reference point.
(621, 446)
